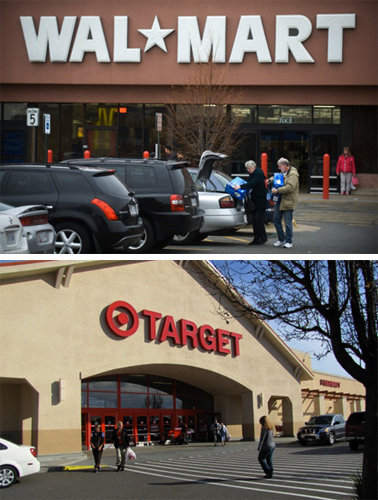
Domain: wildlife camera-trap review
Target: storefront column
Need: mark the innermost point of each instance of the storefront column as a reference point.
(319, 404)
(341, 406)
(247, 415)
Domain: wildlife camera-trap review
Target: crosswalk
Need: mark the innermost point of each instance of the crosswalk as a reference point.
(315, 473)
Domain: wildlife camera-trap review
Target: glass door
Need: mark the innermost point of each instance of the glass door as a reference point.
(110, 425)
(142, 431)
(128, 423)
(155, 429)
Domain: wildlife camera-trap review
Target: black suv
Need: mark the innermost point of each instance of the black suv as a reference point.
(167, 198)
(322, 429)
(355, 429)
(90, 209)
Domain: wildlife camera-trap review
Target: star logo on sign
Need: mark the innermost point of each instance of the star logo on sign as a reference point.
(155, 36)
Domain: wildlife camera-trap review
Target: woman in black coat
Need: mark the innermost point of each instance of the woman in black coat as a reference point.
(257, 193)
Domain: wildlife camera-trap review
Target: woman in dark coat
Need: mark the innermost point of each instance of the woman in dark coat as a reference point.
(97, 445)
(257, 192)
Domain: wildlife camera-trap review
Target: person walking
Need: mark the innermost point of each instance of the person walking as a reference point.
(223, 433)
(287, 202)
(97, 445)
(257, 196)
(266, 447)
(346, 168)
(215, 429)
(121, 443)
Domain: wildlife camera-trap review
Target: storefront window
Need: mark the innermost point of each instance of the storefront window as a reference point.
(284, 114)
(103, 400)
(104, 384)
(15, 111)
(130, 130)
(72, 131)
(131, 400)
(134, 383)
(326, 114)
(246, 114)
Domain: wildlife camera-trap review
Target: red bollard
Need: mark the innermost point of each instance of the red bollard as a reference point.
(146, 155)
(87, 153)
(50, 156)
(326, 177)
(264, 163)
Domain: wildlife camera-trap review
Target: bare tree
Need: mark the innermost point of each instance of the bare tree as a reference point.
(331, 301)
(200, 118)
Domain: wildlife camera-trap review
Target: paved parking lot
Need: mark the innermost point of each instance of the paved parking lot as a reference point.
(202, 472)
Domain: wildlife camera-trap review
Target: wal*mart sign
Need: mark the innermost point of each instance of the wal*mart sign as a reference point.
(290, 35)
(123, 320)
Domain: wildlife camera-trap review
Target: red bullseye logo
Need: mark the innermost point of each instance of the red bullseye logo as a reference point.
(127, 316)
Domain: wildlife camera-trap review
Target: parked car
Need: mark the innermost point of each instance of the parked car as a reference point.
(355, 429)
(223, 213)
(12, 237)
(40, 235)
(167, 198)
(322, 429)
(90, 209)
(16, 461)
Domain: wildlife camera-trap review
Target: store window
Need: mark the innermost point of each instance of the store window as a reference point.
(150, 132)
(246, 114)
(284, 114)
(327, 114)
(130, 130)
(72, 131)
(14, 111)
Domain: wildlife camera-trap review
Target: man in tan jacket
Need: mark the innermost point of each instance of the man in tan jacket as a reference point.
(288, 199)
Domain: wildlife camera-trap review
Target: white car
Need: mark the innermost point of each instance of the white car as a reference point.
(16, 461)
(40, 235)
(12, 237)
(222, 213)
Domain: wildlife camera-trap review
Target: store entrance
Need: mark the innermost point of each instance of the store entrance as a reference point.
(291, 144)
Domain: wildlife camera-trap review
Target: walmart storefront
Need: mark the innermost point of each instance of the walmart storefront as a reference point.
(307, 74)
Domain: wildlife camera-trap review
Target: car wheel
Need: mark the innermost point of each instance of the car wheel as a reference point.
(8, 476)
(147, 240)
(331, 439)
(303, 442)
(184, 239)
(72, 238)
(353, 445)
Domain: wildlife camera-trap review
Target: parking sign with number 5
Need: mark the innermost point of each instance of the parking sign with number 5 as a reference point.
(32, 117)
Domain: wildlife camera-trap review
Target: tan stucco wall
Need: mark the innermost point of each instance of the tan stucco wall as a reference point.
(49, 334)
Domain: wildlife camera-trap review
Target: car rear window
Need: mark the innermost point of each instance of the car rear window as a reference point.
(109, 183)
(181, 179)
(356, 418)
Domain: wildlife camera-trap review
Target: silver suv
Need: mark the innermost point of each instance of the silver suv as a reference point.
(322, 429)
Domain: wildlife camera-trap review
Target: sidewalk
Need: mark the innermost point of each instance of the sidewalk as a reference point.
(60, 461)
(357, 196)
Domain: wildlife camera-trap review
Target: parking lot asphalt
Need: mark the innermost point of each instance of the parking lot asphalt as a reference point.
(200, 471)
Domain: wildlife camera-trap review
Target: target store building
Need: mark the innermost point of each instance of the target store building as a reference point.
(302, 76)
(144, 342)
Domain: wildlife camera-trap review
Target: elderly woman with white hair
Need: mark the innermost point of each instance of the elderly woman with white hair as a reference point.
(257, 193)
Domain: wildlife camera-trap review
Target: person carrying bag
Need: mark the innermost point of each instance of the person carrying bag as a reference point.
(255, 202)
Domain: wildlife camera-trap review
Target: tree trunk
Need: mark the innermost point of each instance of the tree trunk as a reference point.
(369, 470)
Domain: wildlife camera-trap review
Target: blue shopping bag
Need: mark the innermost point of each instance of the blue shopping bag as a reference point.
(239, 193)
(278, 180)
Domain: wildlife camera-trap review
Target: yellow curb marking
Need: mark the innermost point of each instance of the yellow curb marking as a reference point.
(79, 467)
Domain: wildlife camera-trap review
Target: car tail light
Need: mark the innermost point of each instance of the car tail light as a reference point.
(227, 202)
(33, 451)
(34, 220)
(107, 209)
(177, 203)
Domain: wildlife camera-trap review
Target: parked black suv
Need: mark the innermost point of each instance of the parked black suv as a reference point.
(355, 429)
(168, 201)
(90, 209)
(322, 429)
